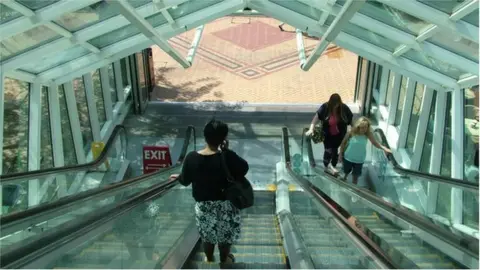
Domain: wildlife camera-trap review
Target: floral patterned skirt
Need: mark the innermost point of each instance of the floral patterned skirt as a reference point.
(217, 222)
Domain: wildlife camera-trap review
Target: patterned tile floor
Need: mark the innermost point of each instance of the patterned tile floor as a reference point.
(251, 60)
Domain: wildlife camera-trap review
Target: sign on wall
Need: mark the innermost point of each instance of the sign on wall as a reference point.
(156, 158)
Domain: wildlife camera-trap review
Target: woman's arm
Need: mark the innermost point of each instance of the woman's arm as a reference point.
(376, 144)
(344, 143)
(185, 177)
(312, 125)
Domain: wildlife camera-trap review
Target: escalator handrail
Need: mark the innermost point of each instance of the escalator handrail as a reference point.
(460, 183)
(313, 190)
(308, 141)
(468, 245)
(97, 192)
(117, 131)
(54, 239)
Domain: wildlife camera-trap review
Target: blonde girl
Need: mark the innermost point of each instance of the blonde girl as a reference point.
(353, 149)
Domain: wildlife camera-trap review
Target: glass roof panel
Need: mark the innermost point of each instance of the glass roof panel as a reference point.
(370, 37)
(27, 40)
(125, 32)
(393, 17)
(463, 47)
(444, 6)
(92, 14)
(36, 4)
(472, 18)
(8, 14)
(434, 64)
(300, 8)
(190, 7)
(49, 61)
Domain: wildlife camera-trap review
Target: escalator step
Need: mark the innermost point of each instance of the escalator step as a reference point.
(206, 265)
(250, 257)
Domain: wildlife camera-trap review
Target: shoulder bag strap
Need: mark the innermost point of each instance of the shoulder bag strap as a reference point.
(225, 166)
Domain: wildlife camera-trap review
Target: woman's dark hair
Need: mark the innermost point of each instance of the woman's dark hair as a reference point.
(333, 103)
(215, 132)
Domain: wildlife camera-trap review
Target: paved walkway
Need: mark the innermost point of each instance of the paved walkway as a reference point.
(250, 60)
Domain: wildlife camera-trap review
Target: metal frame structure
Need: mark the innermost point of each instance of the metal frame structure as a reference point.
(340, 14)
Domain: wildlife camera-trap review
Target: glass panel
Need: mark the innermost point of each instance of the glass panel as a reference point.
(414, 117)
(50, 61)
(35, 4)
(401, 100)
(427, 145)
(125, 32)
(371, 37)
(151, 228)
(124, 67)
(362, 86)
(69, 155)
(324, 241)
(141, 72)
(471, 115)
(46, 151)
(379, 77)
(391, 81)
(27, 40)
(444, 193)
(7, 14)
(472, 18)
(444, 6)
(92, 14)
(74, 181)
(456, 44)
(434, 64)
(81, 99)
(15, 126)
(393, 17)
(381, 227)
(114, 36)
(113, 86)
(300, 8)
(98, 94)
(191, 7)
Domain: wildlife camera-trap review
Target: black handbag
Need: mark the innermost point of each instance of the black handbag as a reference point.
(239, 191)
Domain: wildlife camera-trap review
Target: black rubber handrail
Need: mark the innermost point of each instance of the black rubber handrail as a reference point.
(14, 177)
(14, 218)
(466, 244)
(54, 239)
(357, 230)
(458, 183)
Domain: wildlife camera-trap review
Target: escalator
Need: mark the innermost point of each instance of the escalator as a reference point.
(154, 227)
(399, 185)
(21, 228)
(398, 228)
(260, 245)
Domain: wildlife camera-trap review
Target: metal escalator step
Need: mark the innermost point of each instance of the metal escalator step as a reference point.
(239, 265)
(329, 262)
(277, 258)
(443, 265)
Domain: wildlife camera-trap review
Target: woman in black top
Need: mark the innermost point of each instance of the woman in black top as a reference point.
(335, 117)
(218, 221)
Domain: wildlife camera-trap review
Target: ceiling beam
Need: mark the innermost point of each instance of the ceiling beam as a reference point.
(369, 51)
(147, 29)
(81, 37)
(138, 42)
(41, 17)
(348, 10)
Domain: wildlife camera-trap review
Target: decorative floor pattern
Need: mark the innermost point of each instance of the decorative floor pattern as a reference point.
(252, 61)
